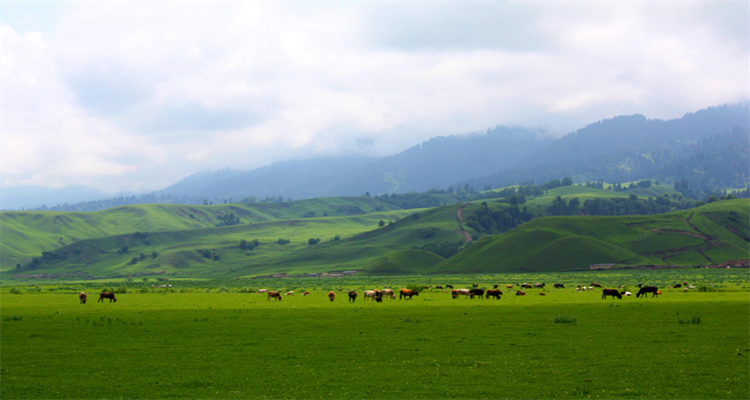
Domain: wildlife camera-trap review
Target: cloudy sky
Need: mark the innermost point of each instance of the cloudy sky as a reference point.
(135, 96)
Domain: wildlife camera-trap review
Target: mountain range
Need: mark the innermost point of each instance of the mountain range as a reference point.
(708, 149)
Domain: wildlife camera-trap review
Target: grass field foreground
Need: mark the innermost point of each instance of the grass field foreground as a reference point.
(209, 344)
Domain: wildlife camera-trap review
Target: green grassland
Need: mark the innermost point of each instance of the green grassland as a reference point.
(708, 234)
(27, 234)
(186, 241)
(205, 341)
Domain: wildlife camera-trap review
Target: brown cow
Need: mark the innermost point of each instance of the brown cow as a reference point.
(82, 296)
(496, 293)
(526, 286)
(611, 292)
(389, 293)
(520, 293)
(542, 294)
(332, 295)
(275, 295)
(352, 296)
(107, 295)
(509, 286)
(306, 294)
(408, 293)
(594, 284)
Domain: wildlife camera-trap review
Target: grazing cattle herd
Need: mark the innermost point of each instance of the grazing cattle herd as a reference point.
(378, 295)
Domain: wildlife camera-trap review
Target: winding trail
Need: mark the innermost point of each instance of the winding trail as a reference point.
(462, 231)
(710, 241)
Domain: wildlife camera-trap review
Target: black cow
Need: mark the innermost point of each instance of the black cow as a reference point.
(647, 289)
(611, 292)
(352, 296)
(476, 292)
(559, 286)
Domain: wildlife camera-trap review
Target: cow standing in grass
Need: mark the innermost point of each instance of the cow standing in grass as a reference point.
(107, 295)
(388, 293)
(611, 292)
(275, 295)
(83, 296)
(352, 296)
(496, 293)
(647, 289)
(407, 293)
(332, 295)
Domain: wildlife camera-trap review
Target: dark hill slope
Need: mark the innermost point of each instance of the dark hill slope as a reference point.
(710, 234)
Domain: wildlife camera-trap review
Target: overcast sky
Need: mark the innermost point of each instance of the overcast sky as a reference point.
(135, 96)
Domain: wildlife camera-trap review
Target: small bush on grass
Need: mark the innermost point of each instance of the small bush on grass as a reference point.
(562, 319)
(694, 320)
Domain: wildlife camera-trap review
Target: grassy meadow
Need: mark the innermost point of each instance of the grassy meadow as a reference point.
(218, 339)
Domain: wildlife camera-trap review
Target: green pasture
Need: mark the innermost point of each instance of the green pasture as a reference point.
(704, 235)
(206, 339)
(26, 234)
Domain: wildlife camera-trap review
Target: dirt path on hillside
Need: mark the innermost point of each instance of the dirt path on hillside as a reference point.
(709, 241)
(462, 231)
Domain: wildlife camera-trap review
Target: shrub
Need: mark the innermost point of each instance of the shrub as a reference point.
(694, 320)
(15, 290)
(562, 319)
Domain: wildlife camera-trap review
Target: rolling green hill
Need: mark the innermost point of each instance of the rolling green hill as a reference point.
(24, 235)
(709, 234)
(147, 239)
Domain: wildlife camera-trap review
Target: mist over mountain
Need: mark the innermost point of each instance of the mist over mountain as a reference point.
(708, 148)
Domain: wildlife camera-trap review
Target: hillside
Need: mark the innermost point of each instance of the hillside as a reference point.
(27, 234)
(709, 234)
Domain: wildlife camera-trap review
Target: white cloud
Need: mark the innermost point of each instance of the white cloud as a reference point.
(134, 96)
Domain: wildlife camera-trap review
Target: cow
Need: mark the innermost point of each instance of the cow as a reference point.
(474, 285)
(611, 292)
(527, 286)
(262, 290)
(408, 293)
(496, 293)
(289, 293)
(559, 286)
(449, 286)
(539, 285)
(658, 292)
(626, 293)
(594, 284)
(373, 294)
(82, 296)
(352, 296)
(332, 295)
(460, 292)
(275, 295)
(542, 294)
(647, 289)
(476, 292)
(520, 293)
(438, 287)
(107, 295)
(495, 286)
(509, 286)
(306, 294)
(378, 296)
(389, 293)
(677, 286)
